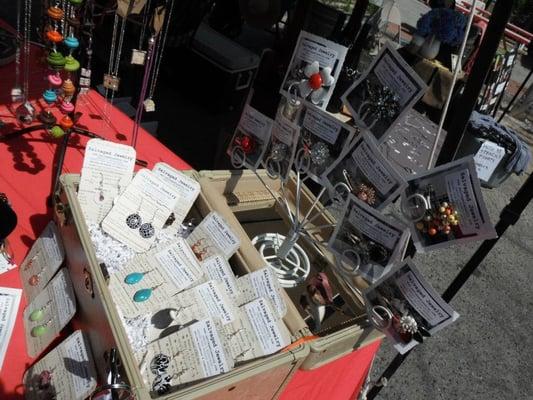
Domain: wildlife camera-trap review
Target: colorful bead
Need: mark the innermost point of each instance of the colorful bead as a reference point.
(75, 2)
(142, 295)
(247, 143)
(45, 379)
(66, 107)
(66, 123)
(37, 315)
(56, 60)
(71, 64)
(34, 280)
(55, 13)
(71, 42)
(50, 96)
(315, 81)
(56, 132)
(54, 79)
(39, 330)
(54, 36)
(68, 88)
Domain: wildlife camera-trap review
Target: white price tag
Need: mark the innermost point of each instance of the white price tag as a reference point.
(487, 159)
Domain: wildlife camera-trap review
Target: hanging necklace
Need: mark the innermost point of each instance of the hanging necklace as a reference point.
(85, 75)
(138, 55)
(152, 43)
(25, 112)
(16, 92)
(149, 104)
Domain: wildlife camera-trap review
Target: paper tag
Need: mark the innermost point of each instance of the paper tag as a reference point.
(218, 269)
(106, 172)
(262, 283)
(57, 305)
(265, 326)
(215, 302)
(43, 260)
(188, 188)
(72, 370)
(373, 169)
(85, 72)
(321, 125)
(209, 348)
(462, 197)
(9, 304)
(213, 236)
(374, 228)
(487, 159)
(254, 123)
(179, 263)
(147, 196)
(284, 131)
(310, 51)
(391, 75)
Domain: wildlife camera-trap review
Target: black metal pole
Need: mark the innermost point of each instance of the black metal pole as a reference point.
(522, 86)
(480, 69)
(509, 216)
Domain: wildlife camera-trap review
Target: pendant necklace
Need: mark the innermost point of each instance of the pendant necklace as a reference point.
(85, 75)
(149, 104)
(138, 55)
(25, 112)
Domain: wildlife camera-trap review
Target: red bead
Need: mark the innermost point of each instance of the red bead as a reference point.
(432, 231)
(315, 81)
(54, 36)
(247, 144)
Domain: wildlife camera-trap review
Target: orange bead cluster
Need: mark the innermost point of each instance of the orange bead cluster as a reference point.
(441, 219)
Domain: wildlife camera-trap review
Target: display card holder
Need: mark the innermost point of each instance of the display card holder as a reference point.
(65, 373)
(363, 171)
(404, 306)
(257, 331)
(213, 236)
(367, 242)
(262, 283)
(188, 188)
(141, 211)
(444, 206)
(106, 172)
(49, 313)
(42, 262)
(188, 355)
(218, 269)
(280, 156)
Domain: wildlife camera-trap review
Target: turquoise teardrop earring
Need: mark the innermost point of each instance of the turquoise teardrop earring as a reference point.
(38, 314)
(144, 294)
(40, 330)
(135, 277)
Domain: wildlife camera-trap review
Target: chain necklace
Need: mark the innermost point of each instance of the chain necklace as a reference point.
(149, 103)
(16, 92)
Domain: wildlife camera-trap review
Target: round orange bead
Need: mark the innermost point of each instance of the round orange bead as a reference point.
(55, 13)
(54, 36)
(66, 122)
(432, 231)
(68, 88)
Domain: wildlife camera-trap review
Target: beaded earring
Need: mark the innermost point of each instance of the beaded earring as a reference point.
(99, 197)
(144, 294)
(38, 314)
(135, 277)
(36, 278)
(40, 330)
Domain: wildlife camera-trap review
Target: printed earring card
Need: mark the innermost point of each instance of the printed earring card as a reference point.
(384, 93)
(323, 139)
(314, 69)
(363, 171)
(219, 270)
(141, 211)
(213, 236)
(42, 262)
(404, 306)
(258, 331)
(190, 354)
(367, 242)
(280, 155)
(49, 313)
(65, 373)
(107, 170)
(188, 188)
(251, 139)
(262, 283)
(444, 206)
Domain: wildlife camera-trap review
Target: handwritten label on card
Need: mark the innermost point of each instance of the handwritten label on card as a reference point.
(487, 159)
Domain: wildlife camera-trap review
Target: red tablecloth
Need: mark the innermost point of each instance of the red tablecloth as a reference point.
(26, 175)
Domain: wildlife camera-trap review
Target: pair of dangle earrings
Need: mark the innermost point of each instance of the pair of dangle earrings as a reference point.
(140, 295)
(135, 221)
